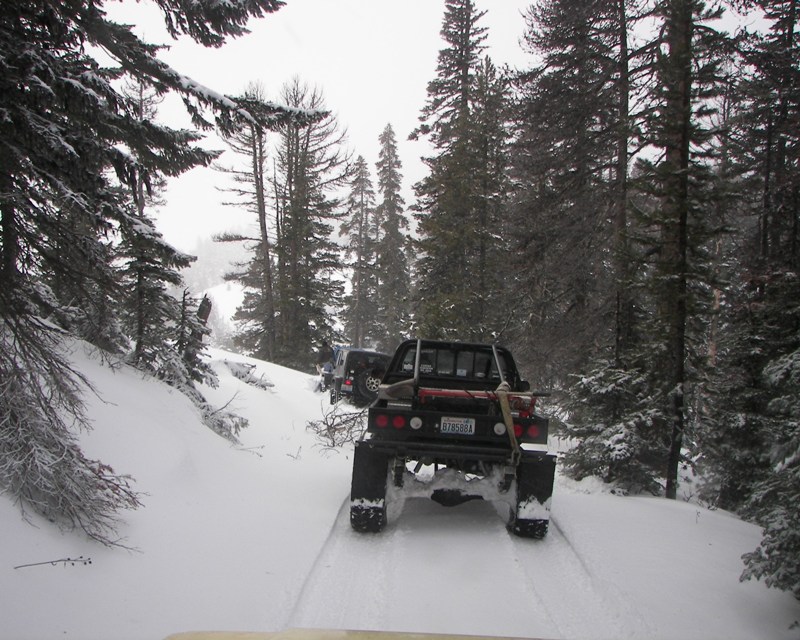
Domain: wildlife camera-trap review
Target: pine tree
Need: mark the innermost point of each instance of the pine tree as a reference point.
(311, 165)
(750, 429)
(492, 238)
(571, 149)
(68, 140)
(257, 316)
(392, 249)
(646, 331)
(769, 492)
(689, 77)
(148, 264)
(151, 315)
(360, 229)
(255, 334)
(446, 199)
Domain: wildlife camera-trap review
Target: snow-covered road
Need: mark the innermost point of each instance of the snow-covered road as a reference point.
(256, 537)
(457, 570)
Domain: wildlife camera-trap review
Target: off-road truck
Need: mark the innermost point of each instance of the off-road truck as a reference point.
(454, 421)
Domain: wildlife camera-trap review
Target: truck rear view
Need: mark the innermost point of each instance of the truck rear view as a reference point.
(454, 422)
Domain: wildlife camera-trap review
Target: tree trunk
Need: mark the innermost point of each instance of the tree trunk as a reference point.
(678, 113)
(624, 305)
(257, 149)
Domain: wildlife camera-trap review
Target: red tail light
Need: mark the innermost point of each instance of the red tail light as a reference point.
(381, 421)
(533, 431)
(518, 430)
(522, 405)
(398, 422)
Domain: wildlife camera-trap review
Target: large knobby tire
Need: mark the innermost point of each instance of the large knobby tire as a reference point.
(368, 489)
(367, 519)
(530, 516)
(536, 529)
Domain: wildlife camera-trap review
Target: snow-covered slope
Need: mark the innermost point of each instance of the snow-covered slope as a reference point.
(256, 537)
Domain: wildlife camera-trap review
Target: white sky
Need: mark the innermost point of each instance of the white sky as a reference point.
(372, 59)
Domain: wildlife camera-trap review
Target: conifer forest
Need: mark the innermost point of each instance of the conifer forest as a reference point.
(623, 214)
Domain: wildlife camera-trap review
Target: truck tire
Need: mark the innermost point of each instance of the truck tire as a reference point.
(365, 388)
(368, 489)
(530, 517)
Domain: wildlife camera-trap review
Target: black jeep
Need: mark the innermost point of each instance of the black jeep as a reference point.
(454, 421)
(357, 374)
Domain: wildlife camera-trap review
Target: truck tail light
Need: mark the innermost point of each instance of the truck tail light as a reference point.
(416, 422)
(518, 430)
(522, 405)
(533, 431)
(383, 420)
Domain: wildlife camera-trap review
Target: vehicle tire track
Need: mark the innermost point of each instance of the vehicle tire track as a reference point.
(582, 605)
(458, 571)
(434, 570)
(345, 583)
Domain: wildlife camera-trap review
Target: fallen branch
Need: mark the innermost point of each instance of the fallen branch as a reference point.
(61, 561)
(338, 428)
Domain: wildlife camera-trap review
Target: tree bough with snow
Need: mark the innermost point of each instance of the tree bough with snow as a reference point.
(68, 140)
(42, 466)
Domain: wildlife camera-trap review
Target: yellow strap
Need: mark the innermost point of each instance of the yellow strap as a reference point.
(505, 407)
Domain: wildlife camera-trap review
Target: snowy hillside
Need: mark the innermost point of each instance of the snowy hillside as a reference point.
(256, 537)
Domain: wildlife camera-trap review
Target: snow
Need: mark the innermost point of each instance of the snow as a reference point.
(227, 297)
(256, 537)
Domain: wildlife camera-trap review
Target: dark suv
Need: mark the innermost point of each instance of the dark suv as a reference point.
(357, 373)
(456, 422)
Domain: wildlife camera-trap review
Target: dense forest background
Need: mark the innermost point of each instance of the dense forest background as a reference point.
(623, 214)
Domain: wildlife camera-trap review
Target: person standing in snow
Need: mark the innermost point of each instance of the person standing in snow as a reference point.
(324, 356)
(324, 365)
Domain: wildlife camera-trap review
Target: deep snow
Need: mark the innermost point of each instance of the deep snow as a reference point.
(256, 537)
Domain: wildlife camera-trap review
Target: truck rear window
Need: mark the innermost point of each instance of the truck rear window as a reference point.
(467, 363)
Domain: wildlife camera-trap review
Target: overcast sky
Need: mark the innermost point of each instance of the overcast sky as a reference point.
(372, 59)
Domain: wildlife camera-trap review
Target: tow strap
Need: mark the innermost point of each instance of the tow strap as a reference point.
(502, 395)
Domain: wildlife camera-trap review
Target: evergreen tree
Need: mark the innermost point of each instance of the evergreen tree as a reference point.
(765, 146)
(736, 438)
(151, 314)
(148, 264)
(689, 77)
(360, 229)
(68, 139)
(311, 165)
(632, 409)
(257, 315)
(492, 239)
(773, 501)
(254, 334)
(749, 434)
(571, 150)
(447, 217)
(392, 249)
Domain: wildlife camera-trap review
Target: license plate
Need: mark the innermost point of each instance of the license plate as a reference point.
(458, 426)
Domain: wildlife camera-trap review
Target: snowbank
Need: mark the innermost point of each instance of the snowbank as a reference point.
(231, 536)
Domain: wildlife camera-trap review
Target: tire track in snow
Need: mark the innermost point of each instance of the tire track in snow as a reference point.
(342, 584)
(458, 571)
(434, 569)
(582, 605)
